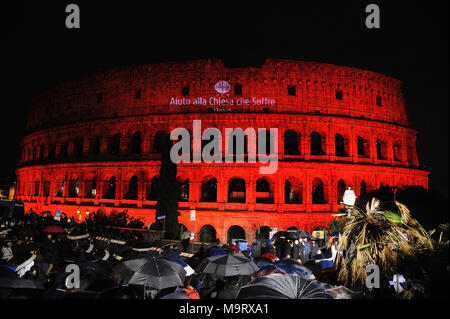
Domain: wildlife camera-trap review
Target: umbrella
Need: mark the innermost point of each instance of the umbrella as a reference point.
(291, 266)
(54, 229)
(234, 247)
(230, 265)
(189, 270)
(304, 234)
(279, 286)
(293, 235)
(267, 272)
(216, 250)
(155, 272)
(270, 257)
(263, 263)
(175, 295)
(9, 279)
(281, 233)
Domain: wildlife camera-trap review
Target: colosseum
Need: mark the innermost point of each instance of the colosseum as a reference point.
(96, 142)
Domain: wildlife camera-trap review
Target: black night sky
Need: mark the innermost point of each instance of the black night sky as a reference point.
(412, 45)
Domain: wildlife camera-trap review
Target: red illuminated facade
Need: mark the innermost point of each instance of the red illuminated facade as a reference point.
(94, 142)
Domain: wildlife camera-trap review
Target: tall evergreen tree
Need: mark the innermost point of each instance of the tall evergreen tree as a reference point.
(168, 191)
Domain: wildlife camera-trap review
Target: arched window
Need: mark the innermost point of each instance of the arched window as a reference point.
(380, 150)
(184, 191)
(59, 189)
(73, 188)
(291, 145)
(236, 190)
(339, 145)
(132, 188)
(292, 192)
(91, 188)
(47, 185)
(111, 189)
(209, 191)
(234, 233)
(136, 143)
(316, 144)
(362, 149)
(340, 191)
(37, 185)
(318, 193)
(114, 145)
(158, 142)
(207, 234)
(263, 193)
(151, 193)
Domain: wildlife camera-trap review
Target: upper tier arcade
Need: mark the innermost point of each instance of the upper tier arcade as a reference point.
(278, 86)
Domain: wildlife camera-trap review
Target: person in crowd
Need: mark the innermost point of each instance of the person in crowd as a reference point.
(191, 287)
(306, 254)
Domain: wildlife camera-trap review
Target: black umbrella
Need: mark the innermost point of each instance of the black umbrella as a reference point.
(155, 272)
(281, 233)
(229, 265)
(9, 279)
(304, 234)
(293, 235)
(282, 286)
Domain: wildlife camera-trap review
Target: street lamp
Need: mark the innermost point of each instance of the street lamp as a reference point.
(349, 200)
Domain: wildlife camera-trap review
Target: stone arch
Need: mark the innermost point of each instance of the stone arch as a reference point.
(236, 190)
(293, 191)
(209, 189)
(264, 190)
(362, 147)
(133, 187)
(74, 187)
(184, 185)
(158, 141)
(235, 232)
(110, 189)
(207, 234)
(136, 143)
(317, 142)
(91, 186)
(318, 192)
(151, 191)
(291, 142)
(340, 190)
(340, 146)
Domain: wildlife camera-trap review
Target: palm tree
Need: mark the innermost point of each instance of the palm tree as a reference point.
(380, 237)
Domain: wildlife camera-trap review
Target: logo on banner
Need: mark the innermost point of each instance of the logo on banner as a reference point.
(222, 87)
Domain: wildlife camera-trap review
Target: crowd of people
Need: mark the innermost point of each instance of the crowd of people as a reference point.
(37, 249)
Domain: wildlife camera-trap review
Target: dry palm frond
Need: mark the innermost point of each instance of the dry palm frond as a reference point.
(380, 237)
